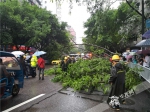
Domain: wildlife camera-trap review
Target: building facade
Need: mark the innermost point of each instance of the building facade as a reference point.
(72, 33)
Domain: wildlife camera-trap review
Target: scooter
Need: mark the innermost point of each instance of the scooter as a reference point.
(11, 86)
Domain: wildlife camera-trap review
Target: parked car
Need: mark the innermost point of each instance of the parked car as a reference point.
(55, 62)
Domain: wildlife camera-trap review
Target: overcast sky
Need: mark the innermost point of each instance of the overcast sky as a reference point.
(76, 19)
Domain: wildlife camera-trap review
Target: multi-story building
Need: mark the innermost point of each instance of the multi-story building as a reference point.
(73, 34)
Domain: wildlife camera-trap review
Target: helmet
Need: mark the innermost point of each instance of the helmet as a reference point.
(24, 57)
(115, 57)
(65, 58)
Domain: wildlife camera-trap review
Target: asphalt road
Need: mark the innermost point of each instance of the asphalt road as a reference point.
(56, 99)
(32, 87)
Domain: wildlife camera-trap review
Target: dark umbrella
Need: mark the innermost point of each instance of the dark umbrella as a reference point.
(146, 34)
(146, 51)
(143, 43)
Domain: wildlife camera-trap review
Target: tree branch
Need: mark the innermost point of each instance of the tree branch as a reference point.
(134, 9)
(93, 45)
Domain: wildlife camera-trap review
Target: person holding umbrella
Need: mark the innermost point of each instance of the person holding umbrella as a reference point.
(41, 67)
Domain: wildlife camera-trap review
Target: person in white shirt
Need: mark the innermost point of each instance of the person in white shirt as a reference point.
(146, 61)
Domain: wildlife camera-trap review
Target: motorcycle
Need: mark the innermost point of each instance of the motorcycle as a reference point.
(11, 86)
(30, 71)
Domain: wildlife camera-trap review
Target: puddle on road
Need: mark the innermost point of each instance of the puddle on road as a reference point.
(95, 95)
(129, 102)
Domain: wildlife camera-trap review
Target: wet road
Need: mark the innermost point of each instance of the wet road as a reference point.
(32, 87)
(56, 99)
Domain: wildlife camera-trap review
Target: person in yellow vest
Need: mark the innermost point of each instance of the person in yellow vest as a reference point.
(33, 63)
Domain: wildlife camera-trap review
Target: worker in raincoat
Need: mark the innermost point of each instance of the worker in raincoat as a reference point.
(117, 80)
(64, 64)
(33, 63)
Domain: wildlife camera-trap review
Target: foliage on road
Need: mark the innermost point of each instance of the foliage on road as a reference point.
(91, 74)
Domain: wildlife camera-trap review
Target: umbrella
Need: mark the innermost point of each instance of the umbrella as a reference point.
(17, 53)
(129, 57)
(38, 53)
(146, 34)
(143, 43)
(132, 53)
(143, 51)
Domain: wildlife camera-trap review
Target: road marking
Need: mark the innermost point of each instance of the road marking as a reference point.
(14, 107)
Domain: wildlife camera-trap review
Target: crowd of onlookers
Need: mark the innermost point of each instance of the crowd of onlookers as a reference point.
(142, 59)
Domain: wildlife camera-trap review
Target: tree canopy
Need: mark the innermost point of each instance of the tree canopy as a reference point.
(114, 29)
(26, 24)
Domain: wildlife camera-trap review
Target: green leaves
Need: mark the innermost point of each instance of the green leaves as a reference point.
(132, 77)
(26, 24)
(92, 74)
(110, 26)
(85, 74)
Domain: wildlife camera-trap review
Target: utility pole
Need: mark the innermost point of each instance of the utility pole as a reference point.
(143, 24)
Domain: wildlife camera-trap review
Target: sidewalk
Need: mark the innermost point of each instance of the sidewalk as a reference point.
(136, 103)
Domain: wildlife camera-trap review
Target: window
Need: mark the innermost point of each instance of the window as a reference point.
(11, 63)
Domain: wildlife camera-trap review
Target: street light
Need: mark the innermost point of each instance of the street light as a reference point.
(143, 17)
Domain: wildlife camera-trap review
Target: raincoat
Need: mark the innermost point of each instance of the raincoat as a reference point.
(64, 65)
(33, 61)
(117, 79)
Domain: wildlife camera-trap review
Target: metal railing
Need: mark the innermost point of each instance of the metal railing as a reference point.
(145, 73)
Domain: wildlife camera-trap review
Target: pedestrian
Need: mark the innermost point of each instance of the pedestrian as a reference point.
(68, 59)
(140, 60)
(22, 63)
(33, 63)
(3, 74)
(134, 59)
(64, 64)
(73, 60)
(117, 80)
(41, 67)
(146, 61)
